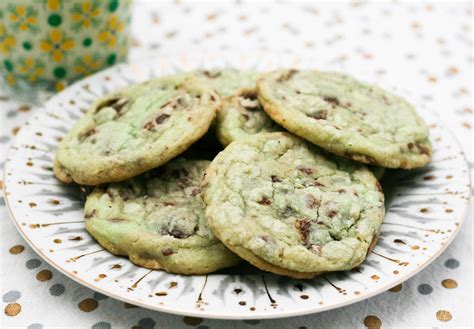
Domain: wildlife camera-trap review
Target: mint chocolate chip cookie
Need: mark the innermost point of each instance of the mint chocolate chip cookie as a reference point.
(346, 117)
(228, 81)
(157, 219)
(136, 129)
(290, 208)
(242, 115)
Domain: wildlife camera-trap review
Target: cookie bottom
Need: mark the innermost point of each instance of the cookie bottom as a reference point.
(269, 267)
(154, 264)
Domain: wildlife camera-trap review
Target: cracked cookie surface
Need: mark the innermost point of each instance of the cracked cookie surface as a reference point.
(157, 219)
(242, 115)
(346, 117)
(135, 129)
(288, 207)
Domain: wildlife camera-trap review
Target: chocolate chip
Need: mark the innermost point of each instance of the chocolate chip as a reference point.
(265, 201)
(305, 170)
(168, 203)
(162, 118)
(88, 133)
(423, 149)
(91, 214)
(319, 115)
(311, 201)
(287, 75)
(332, 213)
(275, 179)
(167, 252)
(332, 100)
(265, 238)
(341, 190)
(195, 192)
(410, 145)
(303, 227)
(213, 98)
(149, 125)
(165, 104)
(178, 234)
(116, 219)
(211, 75)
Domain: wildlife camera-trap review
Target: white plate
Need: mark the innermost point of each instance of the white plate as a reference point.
(425, 209)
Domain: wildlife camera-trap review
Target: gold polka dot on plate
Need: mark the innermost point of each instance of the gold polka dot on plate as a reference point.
(449, 283)
(443, 315)
(18, 249)
(192, 321)
(12, 309)
(397, 288)
(88, 305)
(44, 275)
(372, 322)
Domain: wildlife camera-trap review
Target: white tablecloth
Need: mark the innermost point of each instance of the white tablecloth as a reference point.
(422, 47)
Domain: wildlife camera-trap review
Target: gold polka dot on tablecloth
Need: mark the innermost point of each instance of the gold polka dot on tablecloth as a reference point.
(443, 315)
(372, 322)
(88, 305)
(15, 130)
(18, 249)
(192, 321)
(24, 108)
(12, 309)
(449, 283)
(44, 275)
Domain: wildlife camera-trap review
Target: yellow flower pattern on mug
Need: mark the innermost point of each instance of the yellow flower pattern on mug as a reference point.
(87, 64)
(23, 18)
(31, 68)
(57, 45)
(110, 34)
(54, 4)
(85, 15)
(10, 78)
(7, 41)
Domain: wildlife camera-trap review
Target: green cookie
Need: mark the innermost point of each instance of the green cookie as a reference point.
(158, 221)
(136, 129)
(229, 81)
(290, 208)
(242, 115)
(346, 117)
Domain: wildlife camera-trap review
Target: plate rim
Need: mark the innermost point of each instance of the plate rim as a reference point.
(210, 314)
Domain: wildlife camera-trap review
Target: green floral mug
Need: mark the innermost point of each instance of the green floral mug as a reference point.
(45, 44)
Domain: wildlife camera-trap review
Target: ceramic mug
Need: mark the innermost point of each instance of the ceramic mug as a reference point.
(45, 44)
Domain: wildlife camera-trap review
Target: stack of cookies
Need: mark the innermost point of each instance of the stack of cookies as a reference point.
(288, 189)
